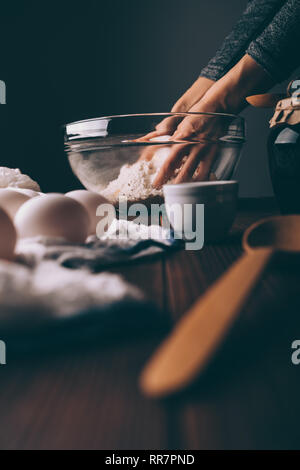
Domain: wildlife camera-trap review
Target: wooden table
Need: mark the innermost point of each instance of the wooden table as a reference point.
(248, 398)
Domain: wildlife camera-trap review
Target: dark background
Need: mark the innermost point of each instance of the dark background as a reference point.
(70, 60)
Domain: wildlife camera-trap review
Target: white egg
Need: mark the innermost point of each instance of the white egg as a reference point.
(51, 194)
(53, 215)
(27, 192)
(8, 236)
(91, 201)
(11, 201)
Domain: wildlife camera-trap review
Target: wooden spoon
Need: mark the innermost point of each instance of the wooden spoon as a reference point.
(187, 351)
(267, 100)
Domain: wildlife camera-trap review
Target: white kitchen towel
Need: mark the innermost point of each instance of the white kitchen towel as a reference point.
(48, 290)
(123, 242)
(57, 283)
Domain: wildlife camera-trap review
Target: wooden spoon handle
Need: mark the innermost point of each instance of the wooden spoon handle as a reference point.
(268, 100)
(185, 353)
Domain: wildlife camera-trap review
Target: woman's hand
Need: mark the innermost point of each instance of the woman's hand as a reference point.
(192, 96)
(227, 95)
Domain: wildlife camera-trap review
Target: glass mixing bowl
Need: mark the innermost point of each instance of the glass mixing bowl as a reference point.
(98, 148)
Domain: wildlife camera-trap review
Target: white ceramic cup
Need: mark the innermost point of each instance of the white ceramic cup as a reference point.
(184, 207)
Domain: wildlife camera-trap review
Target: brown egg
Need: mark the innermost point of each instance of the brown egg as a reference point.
(11, 201)
(53, 215)
(91, 201)
(8, 236)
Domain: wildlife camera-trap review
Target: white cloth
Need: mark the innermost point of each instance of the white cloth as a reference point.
(49, 290)
(123, 242)
(40, 286)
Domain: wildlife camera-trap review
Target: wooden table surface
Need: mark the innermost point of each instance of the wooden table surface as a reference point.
(88, 398)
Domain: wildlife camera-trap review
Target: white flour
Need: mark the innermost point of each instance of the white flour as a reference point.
(13, 178)
(134, 182)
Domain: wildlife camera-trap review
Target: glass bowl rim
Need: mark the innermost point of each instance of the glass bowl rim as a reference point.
(200, 184)
(95, 128)
(200, 187)
(186, 113)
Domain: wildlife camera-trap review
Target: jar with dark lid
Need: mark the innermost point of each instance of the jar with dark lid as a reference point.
(284, 151)
(284, 145)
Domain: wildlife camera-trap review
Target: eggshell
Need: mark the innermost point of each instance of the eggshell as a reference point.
(11, 201)
(8, 236)
(28, 192)
(53, 215)
(91, 201)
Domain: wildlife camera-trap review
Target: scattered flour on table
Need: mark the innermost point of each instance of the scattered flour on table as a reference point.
(13, 178)
(134, 182)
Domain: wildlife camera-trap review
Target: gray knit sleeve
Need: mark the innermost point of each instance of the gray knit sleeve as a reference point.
(277, 47)
(258, 14)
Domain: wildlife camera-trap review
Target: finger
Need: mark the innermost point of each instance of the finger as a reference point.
(166, 127)
(147, 137)
(201, 127)
(178, 152)
(153, 136)
(203, 171)
(188, 169)
(192, 126)
(169, 124)
(149, 152)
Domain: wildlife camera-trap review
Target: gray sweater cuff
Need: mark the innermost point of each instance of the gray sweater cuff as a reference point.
(266, 61)
(269, 32)
(276, 48)
(258, 14)
(211, 73)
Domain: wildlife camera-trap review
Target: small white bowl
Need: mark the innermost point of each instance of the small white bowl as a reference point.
(220, 205)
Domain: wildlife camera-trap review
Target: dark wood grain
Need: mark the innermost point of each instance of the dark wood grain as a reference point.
(88, 398)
